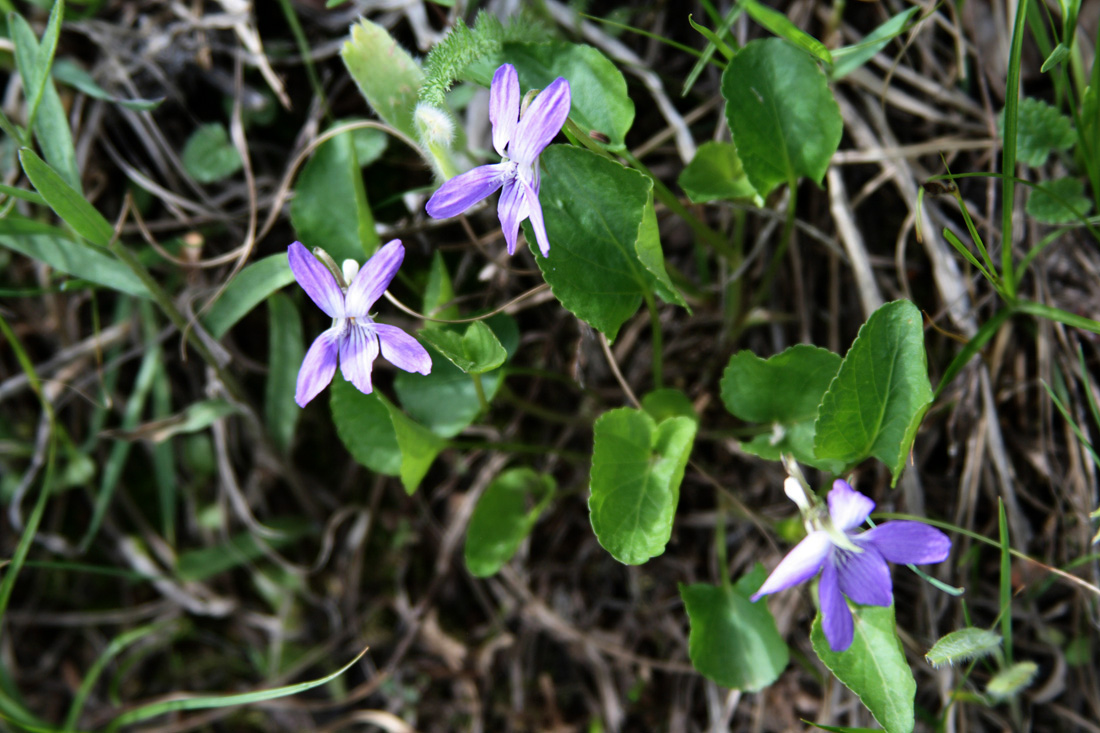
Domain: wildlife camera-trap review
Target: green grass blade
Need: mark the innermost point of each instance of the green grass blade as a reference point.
(51, 124)
(120, 451)
(708, 52)
(44, 61)
(1006, 582)
(206, 702)
(21, 193)
(713, 37)
(980, 339)
(116, 647)
(66, 202)
(1057, 314)
(1072, 423)
(777, 23)
(1008, 150)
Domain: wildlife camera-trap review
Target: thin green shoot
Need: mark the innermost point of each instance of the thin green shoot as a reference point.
(1006, 582)
(1008, 150)
(655, 36)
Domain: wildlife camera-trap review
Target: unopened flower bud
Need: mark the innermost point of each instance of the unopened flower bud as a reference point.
(434, 125)
(351, 269)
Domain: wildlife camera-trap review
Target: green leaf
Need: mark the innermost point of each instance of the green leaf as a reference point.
(665, 403)
(369, 142)
(250, 288)
(194, 418)
(962, 646)
(382, 437)
(1040, 129)
(652, 257)
(330, 208)
(784, 119)
(51, 124)
(713, 39)
(783, 392)
(387, 75)
(733, 641)
(65, 255)
(1056, 57)
(1011, 681)
(873, 667)
(363, 424)
(501, 519)
(285, 354)
(208, 155)
(419, 447)
(637, 467)
(715, 174)
(204, 702)
(206, 562)
(439, 293)
(66, 202)
(1059, 201)
(446, 400)
(877, 400)
(786, 388)
(67, 72)
(594, 215)
(778, 24)
(849, 58)
(475, 352)
(44, 52)
(598, 90)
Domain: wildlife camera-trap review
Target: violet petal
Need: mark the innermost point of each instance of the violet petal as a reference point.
(836, 619)
(358, 351)
(402, 350)
(316, 280)
(541, 122)
(864, 576)
(373, 278)
(318, 366)
(504, 107)
(800, 564)
(511, 210)
(534, 209)
(908, 542)
(462, 192)
(847, 507)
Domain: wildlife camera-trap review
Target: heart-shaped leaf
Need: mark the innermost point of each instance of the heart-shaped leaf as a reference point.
(637, 467)
(502, 519)
(784, 119)
(873, 667)
(876, 402)
(734, 641)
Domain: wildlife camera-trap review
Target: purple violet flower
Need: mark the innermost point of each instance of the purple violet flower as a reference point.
(519, 140)
(853, 564)
(354, 336)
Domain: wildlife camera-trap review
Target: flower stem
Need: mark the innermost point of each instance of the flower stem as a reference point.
(658, 347)
(480, 389)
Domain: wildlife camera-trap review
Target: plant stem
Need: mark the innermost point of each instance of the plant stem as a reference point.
(480, 389)
(658, 346)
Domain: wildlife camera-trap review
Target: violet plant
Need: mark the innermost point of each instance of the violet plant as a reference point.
(354, 339)
(852, 565)
(520, 134)
(841, 414)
